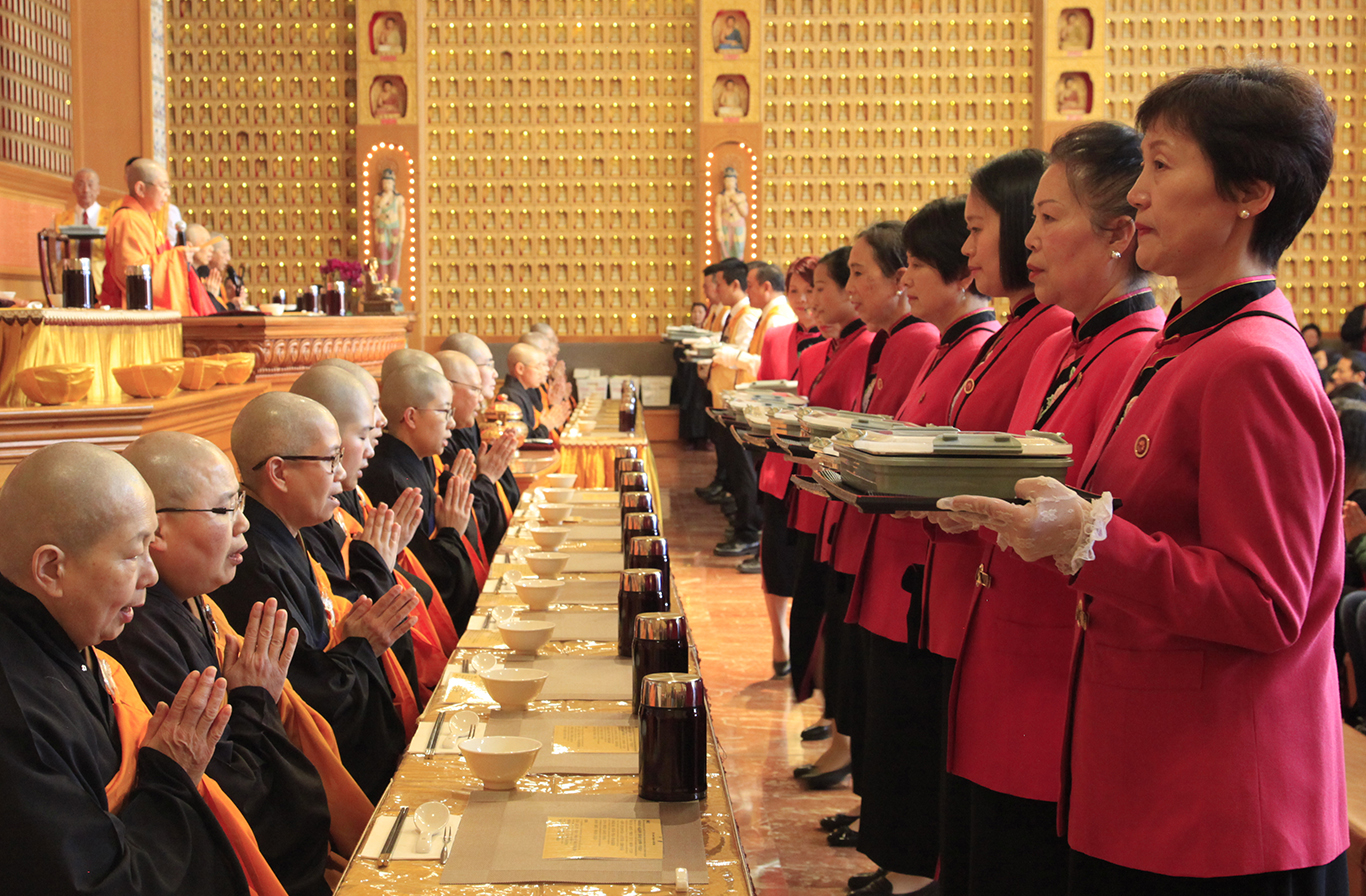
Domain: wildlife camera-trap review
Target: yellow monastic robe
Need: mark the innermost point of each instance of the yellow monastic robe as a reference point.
(133, 238)
(68, 217)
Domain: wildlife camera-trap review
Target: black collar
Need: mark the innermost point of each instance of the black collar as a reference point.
(962, 325)
(903, 324)
(1218, 307)
(1027, 305)
(1111, 314)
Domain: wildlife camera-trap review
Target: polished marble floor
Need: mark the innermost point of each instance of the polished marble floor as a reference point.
(757, 723)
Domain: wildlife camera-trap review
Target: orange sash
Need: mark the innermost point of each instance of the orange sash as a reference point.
(348, 805)
(336, 609)
(431, 659)
(131, 716)
(503, 499)
(478, 559)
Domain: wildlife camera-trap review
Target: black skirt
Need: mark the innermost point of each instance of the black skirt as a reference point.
(1094, 877)
(777, 548)
(807, 615)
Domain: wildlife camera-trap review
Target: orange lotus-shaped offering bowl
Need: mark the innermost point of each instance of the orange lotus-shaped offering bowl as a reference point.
(151, 380)
(57, 383)
(203, 373)
(240, 366)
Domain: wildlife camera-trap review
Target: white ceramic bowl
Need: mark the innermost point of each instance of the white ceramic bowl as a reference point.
(558, 495)
(272, 308)
(586, 427)
(500, 761)
(538, 594)
(547, 563)
(555, 513)
(525, 635)
(561, 480)
(548, 538)
(513, 688)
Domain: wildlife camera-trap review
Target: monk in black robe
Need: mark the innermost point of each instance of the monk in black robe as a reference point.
(73, 570)
(288, 449)
(476, 350)
(528, 368)
(199, 543)
(417, 402)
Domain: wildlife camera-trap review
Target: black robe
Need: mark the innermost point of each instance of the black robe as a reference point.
(59, 747)
(488, 510)
(530, 404)
(392, 470)
(268, 778)
(370, 577)
(346, 684)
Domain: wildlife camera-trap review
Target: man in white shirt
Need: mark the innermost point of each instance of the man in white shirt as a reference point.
(87, 211)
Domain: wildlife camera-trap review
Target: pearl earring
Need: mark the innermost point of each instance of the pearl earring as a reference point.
(1115, 253)
(1244, 214)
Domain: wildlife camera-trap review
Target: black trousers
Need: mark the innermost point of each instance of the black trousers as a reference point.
(1095, 877)
(737, 466)
(691, 395)
(902, 763)
(996, 844)
(842, 663)
(719, 436)
(807, 617)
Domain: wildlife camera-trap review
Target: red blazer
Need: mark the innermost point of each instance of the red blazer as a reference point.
(909, 345)
(878, 602)
(778, 361)
(1009, 697)
(985, 401)
(1205, 738)
(837, 383)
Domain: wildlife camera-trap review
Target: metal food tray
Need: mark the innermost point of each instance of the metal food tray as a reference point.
(811, 486)
(797, 451)
(724, 416)
(754, 439)
(993, 476)
(828, 482)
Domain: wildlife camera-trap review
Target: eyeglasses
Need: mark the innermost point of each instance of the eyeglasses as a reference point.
(330, 459)
(476, 388)
(449, 412)
(233, 507)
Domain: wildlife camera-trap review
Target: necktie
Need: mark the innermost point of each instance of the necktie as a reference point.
(84, 250)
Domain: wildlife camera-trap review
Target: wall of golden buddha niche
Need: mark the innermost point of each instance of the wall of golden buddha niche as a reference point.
(1324, 272)
(261, 131)
(35, 112)
(561, 157)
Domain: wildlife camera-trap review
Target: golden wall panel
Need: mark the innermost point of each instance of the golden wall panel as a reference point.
(561, 161)
(261, 130)
(35, 106)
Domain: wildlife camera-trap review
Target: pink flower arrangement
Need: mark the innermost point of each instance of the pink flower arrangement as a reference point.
(353, 272)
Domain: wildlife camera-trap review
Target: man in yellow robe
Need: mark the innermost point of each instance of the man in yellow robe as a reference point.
(87, 211)
(133, 238)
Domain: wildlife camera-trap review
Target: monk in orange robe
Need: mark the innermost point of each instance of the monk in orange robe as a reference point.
(133, 238)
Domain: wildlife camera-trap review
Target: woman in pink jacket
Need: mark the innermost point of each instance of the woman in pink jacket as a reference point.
(1202, 752)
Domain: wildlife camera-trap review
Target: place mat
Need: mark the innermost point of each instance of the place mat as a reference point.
(445, 745)
(504, 841)
(580, 678)
(589, 591)
(594, 531)
(560, 758)
(583, 561)
(596, 496)
(577, 625)
(600, 513)
(405, 847)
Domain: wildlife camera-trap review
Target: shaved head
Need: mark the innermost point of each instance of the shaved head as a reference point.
(469, 345)
(198, 235)
(177, 466)
(404, 357)
(413, 386)
(69, 495)
(546, 330)
(143, 171)
(524, 353)
(340, 392)
(367, 380)
(540, 340)
(277, 424)
(458, 367)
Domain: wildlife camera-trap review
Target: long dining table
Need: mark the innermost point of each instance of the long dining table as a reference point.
(445, 777)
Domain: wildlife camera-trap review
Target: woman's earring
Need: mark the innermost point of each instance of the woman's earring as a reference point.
(1244, 214)
(1115, 253)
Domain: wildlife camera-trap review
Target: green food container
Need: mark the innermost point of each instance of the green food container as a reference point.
(942, 464)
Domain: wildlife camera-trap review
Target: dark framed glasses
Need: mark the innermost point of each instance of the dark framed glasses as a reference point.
(330, 459)
(234, 506)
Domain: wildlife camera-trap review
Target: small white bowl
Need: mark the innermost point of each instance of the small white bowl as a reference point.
(538, 594)
(513, 688)
(558, 495)
(525, 635)
(548, 538)
(547, 564)
(500, 761)
(586, 427)
(275, 309)
(561, 480)
(555, 513)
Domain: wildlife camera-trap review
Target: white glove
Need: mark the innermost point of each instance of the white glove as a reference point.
(726, 356)
(1057, 522)
(954, 523)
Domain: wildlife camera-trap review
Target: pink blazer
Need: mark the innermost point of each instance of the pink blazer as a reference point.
(985, 401)
(1205, 738)
(1009, 697)
(778, 361)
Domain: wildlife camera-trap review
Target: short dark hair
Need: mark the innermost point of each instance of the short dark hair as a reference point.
(1358, 360)
(733, 270)
(935, 235)
(884, 238)
(713, 268)
(1354, 327)
(1352, 419)
(699, 305)
(768, 273)
(1102, 160)
(1007, 184)
(1255, 122)
(836, 264)
(802, 267)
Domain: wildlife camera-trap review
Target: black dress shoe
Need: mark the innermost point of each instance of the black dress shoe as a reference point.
(879, 886)
(835, 822)
(816, 732)
(783, 669)
(734, 548)
(720, 497)
(826, 780)
(858, 881)
(750, 566)
(802, 771)
(842, 837)
(710, 490)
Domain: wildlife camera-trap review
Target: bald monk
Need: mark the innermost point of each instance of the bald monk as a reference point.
(86, 212)
(417, 402)
(476, 350)
(287, 449)
(71, 576)
(133, 238)
(491, 464)
(528, 368)
(557, 387)
(402, 358)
